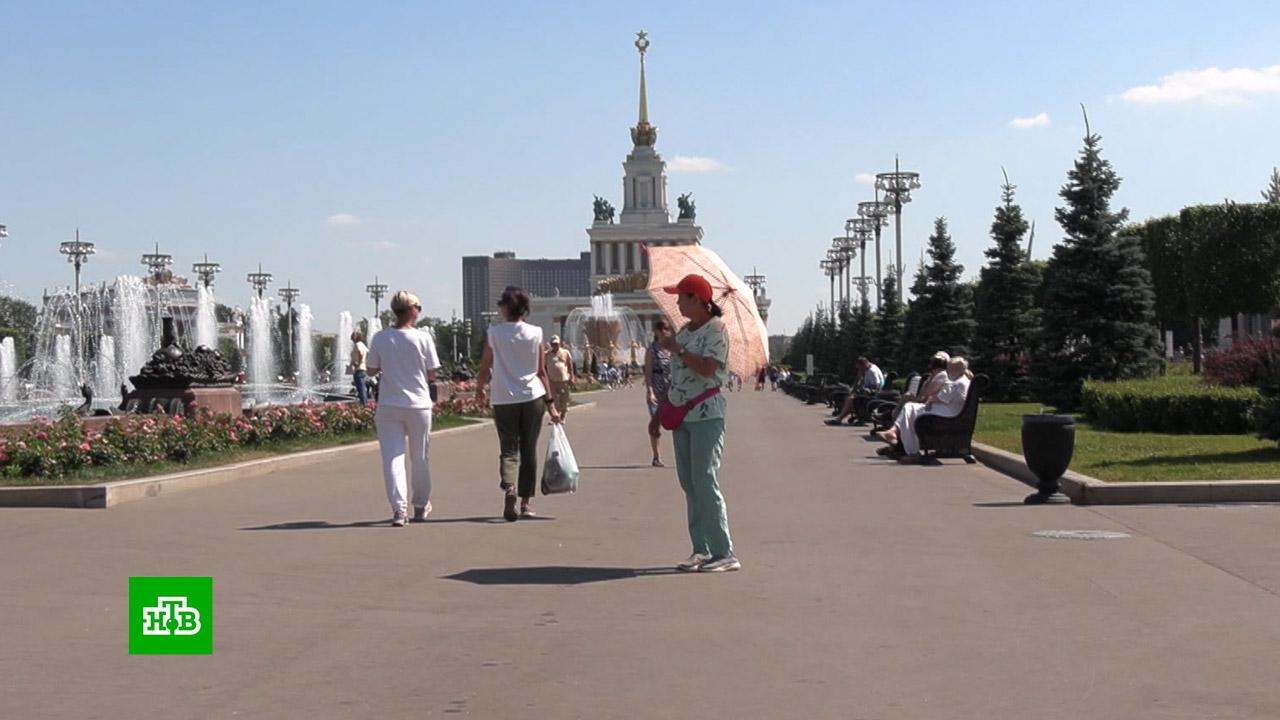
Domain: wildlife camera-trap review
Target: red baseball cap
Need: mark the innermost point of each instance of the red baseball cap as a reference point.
(694, 285)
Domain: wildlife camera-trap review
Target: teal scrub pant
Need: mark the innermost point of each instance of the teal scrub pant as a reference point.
(698, 448)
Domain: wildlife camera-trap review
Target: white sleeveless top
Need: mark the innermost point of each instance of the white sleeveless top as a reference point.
(517, 346)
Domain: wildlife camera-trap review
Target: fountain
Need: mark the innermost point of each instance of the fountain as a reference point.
(206, 319)
(132, 334)
(262, 364)
(342, 348)
(612, 333)
(305, 351)
(63, 371)
(8, 372)
(105, 379)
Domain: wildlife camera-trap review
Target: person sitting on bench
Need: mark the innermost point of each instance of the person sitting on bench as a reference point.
(870, 382)
(949, 402)
(935, 377)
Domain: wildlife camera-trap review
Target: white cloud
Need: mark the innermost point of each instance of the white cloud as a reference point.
(694, 164)
(865, 178)
(1212, 86)
(384, 245)
(1022, 123)
(342, 219)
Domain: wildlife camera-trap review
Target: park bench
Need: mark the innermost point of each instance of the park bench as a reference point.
(882, 412)
(838, 395)
(952, 437)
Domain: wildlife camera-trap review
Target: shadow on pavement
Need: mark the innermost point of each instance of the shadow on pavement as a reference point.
(486, 519)
(553, 575)
(1005, 504)
(617, 467)
(320, 525)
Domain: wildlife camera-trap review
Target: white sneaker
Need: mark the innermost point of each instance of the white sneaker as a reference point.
(398, 519)
(420, 513)
(728, 563)
(692, 563)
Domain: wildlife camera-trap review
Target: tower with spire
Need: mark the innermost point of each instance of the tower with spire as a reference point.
(645, 218)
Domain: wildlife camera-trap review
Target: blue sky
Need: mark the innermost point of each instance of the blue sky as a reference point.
(332, 141)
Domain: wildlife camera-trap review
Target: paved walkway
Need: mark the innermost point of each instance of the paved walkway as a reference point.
(869, 591)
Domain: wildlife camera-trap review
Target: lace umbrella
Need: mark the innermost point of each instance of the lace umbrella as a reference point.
(748, 338)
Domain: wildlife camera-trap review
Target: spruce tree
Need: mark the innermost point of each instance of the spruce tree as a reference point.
(914, 319)
(1098, 305)
(943, 306)
(887, 331)
(1004, 310)
(1272, 193)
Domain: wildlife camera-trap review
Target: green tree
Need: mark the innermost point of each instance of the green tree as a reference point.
(18, 320)
(1098, 313)
(854, 339)
(1004, 312)
(1272, 193)
(914, 319)
(886, 332)
(943, 306)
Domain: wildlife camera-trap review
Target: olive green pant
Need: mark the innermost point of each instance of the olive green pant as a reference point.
(518, 428)
(698, 448)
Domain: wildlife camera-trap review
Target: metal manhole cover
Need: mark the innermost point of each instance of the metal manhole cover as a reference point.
(1080, 534)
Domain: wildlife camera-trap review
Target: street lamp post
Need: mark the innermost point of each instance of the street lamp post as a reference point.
(829, 269)
(862, 231)
(876, 213)
(157, 263)
(78, 253)
(259, 280)
(377, 291)
(466, 335)
(897, 187)
(206, 270)
(288, 294)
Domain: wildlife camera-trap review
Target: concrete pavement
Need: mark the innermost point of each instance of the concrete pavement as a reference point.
(869, 590)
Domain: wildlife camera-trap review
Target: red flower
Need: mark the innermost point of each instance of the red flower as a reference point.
(42, 435)
(84, 447)
(232, 436)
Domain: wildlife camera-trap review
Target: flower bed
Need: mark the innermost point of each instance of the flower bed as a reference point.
(56, 449)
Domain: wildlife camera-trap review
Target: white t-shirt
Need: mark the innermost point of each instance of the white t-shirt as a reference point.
(403, 357)
(516, 349)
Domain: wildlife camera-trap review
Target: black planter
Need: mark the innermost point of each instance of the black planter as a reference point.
(1047, 444)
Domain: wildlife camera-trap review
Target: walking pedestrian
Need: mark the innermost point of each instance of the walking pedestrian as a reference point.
(657, 378)
(404, 360)
(561, 373)
(514, 364)
(700, 353)
(359, 367)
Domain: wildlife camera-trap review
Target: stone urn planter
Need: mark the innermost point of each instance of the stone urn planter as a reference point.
(1047, 444)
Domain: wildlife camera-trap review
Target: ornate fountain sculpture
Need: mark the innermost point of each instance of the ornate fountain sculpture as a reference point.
(174, 380)
(602, 330)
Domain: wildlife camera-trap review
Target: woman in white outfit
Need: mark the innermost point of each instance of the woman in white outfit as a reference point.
(405, 358)
(949, 402)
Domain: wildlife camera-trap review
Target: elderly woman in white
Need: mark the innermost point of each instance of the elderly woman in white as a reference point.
(948, 402)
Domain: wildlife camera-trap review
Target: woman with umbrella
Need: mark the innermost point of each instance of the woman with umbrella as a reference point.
(699, 366)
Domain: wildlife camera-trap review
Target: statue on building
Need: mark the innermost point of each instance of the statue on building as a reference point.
(688, 211)
(603, 209)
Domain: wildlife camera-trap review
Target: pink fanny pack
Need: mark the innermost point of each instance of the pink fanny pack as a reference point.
(670, 416)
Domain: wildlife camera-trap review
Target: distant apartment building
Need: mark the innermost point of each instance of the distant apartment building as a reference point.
(485, 277)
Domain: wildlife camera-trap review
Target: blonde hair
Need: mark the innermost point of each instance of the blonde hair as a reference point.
(402, 301)
(958, 366)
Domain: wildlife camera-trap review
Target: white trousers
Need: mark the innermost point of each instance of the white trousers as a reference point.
(395, 424)
(906, 424)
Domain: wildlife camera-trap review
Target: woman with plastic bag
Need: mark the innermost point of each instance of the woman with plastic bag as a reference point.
(560, 470)
(515, 365)
(694, 411)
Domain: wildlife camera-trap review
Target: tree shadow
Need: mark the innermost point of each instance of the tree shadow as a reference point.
(1257, 455)
(617, 467)
(1003, 504)
(553, 575)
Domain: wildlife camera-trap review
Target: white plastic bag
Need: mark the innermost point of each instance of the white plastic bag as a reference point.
(560, 471)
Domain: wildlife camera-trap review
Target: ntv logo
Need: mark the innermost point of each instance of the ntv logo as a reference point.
(170, 616)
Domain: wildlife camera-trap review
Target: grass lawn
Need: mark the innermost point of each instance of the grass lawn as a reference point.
(122, 471)
(1138, 457)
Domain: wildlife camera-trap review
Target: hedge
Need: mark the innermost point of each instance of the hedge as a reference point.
(1169, 405)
